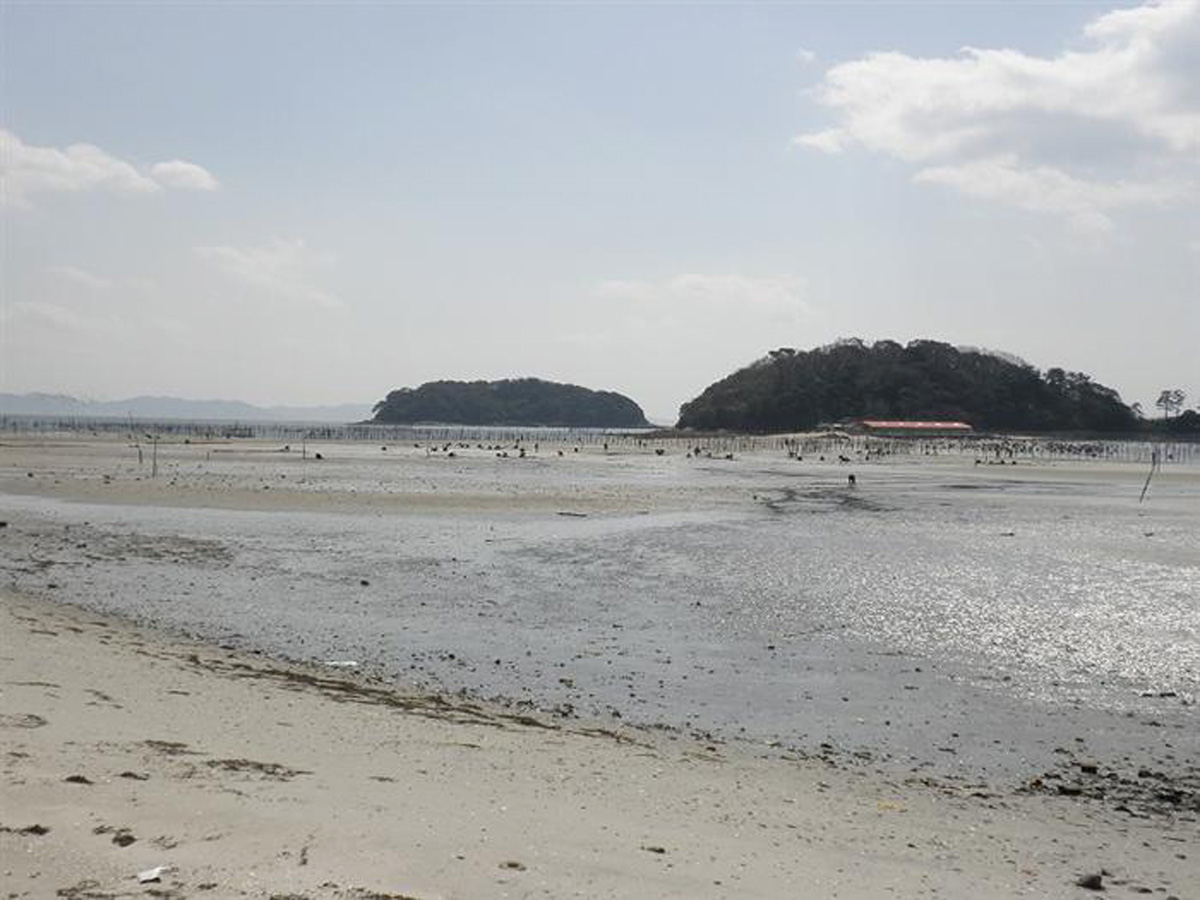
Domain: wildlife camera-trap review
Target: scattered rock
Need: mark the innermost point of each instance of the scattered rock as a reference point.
(124, 837)
(1150, 793)
(650, 848)
(513, 864)
(77, 779)
(35, 830)
(1093, 881)
(150, 875)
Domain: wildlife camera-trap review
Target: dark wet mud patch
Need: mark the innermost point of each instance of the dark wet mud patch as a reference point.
(171, 748)
(22, 720)
(268, 770)
(169, 548)
(88, 890)
(84, 543)
(343, 691)
(820, 500)
(347, 894)
(458, 711)
(1014, 487)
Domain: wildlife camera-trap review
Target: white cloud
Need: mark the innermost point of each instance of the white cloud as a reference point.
(1080, 134)
(805, 56)
(188, 176)
(80, 277)
(1044, 189)
(26, 170)
(832, 140)
(47, 315)
(281, 270)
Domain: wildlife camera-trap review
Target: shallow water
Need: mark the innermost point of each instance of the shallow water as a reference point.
(938, 617)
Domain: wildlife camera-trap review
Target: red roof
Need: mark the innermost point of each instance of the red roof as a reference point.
(885, 423)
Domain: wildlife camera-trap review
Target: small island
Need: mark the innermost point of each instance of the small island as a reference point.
(517, 401)
(790, 390)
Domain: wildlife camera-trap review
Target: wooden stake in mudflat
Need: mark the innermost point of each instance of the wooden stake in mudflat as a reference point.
(1153, 468)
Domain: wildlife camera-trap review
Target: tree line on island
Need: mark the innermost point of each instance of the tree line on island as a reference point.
(795, 390)
(789, 390)
(517, 401)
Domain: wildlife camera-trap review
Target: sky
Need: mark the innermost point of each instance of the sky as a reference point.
(317, 203)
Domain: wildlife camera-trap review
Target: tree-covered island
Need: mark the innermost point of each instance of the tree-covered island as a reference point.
(790, 390)
(518, 401)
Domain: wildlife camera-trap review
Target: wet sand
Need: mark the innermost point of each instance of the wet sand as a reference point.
(1014, 639)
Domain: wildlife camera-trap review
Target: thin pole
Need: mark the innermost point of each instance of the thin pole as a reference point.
(1149, 475)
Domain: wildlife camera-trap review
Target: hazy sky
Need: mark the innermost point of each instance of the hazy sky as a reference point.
(319, 203)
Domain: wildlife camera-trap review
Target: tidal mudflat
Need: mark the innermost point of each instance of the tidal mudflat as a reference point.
(977, 622)
(1022, 642)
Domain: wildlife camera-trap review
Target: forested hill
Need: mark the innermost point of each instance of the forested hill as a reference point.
(521, 401)
(790, 391)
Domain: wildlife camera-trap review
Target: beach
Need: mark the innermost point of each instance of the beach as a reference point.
(400, 673)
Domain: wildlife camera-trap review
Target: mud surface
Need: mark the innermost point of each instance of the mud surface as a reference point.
(961, 623)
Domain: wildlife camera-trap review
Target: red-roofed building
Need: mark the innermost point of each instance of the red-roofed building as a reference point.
(909, 428)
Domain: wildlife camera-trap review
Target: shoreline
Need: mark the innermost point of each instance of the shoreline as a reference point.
(250, 777)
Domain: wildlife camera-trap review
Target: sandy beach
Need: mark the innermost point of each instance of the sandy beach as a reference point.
(133, 750)
(150, 715)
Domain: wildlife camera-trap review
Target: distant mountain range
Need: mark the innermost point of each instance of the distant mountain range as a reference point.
(177, 408)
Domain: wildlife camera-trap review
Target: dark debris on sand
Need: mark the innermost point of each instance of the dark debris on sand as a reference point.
(1143, 793)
